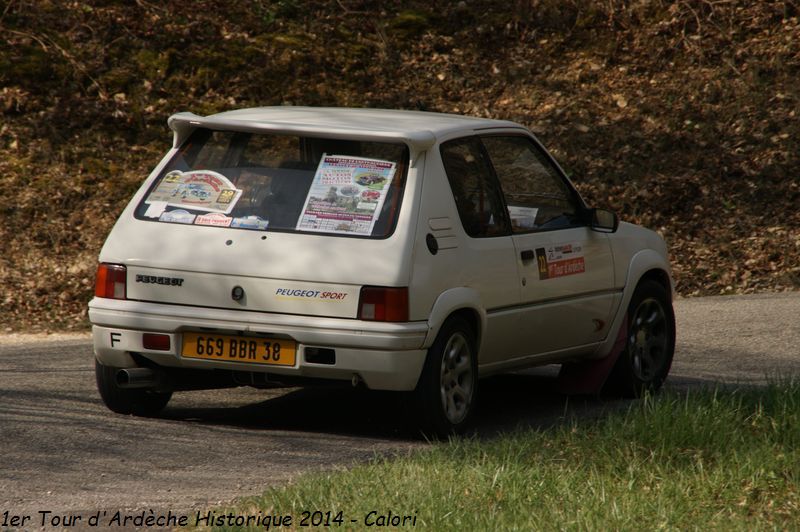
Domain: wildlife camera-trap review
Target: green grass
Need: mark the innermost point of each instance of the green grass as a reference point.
(720, 459)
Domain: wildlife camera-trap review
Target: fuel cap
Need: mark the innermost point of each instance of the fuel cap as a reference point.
(237, 293)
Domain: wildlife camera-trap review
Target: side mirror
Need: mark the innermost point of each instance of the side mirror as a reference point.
(604, 221)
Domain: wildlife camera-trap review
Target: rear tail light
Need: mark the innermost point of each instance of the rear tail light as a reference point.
(110, 281)
(379, 303)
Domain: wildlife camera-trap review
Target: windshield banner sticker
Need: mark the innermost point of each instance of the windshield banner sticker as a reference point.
(203, 190)
(559, 260)
(347, 195)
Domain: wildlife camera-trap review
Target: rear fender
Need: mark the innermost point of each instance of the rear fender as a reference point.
(451, 301)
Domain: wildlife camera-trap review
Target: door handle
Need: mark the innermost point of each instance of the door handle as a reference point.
(527, 255)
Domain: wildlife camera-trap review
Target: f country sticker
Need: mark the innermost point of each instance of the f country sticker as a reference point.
(560, 260)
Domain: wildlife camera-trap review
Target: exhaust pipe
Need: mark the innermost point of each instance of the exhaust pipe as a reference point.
(138, 378)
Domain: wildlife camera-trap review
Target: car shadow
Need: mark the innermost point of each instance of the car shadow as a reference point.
(313, 409)
(524, 400)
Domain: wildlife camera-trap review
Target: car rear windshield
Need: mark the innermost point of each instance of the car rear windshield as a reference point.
(267, 182)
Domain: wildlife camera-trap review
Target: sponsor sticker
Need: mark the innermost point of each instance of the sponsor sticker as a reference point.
(560, 260)
(179, 216)
(215, 219)
(250, 222)
(203, 190)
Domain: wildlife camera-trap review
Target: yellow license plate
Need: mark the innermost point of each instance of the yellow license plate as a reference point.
(239, 349)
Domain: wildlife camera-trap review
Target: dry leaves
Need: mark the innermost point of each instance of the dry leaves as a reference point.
(682, 116)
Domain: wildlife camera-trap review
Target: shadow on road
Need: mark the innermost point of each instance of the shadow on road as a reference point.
(527, 400)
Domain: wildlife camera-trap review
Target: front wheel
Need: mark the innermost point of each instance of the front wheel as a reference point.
(650, 345)
(446, 392)
(136, 401)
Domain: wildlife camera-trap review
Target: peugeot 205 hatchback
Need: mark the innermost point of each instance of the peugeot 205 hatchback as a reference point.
(395, 250)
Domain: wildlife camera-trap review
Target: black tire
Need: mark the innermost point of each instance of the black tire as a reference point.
(646, 359)
(447, 389)
(136, 401)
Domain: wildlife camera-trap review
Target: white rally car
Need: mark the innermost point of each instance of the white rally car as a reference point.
(395, 250)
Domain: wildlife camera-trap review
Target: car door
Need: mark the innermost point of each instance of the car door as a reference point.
(486, 257)
(565, 268)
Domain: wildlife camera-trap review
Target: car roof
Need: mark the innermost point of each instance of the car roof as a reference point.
(418, 128)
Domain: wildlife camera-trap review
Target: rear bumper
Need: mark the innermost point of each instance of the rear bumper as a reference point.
(385, 356)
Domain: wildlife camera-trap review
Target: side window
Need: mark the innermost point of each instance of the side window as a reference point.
(478, 197)
(536, 195)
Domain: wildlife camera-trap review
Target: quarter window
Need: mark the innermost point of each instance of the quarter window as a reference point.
(536, 195)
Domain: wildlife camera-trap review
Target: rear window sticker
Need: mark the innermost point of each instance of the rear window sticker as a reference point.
(346, 195)
(203, 190)
(155, 209)
(250, 222)
(560, 260)
(177, 216)
(216, 219)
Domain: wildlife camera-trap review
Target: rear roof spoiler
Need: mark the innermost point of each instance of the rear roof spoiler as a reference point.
(182, 125)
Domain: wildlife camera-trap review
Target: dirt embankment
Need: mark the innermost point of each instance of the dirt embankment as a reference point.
(682, 116)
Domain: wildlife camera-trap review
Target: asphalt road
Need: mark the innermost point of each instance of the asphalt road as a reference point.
(62, 451)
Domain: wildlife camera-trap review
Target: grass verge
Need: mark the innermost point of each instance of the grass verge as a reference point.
(722, 458)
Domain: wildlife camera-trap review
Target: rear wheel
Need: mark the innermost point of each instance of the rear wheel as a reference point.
(645, 362)
(136, 401)
(445, 394)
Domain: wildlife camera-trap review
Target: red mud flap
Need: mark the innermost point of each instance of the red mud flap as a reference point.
(589, 376)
